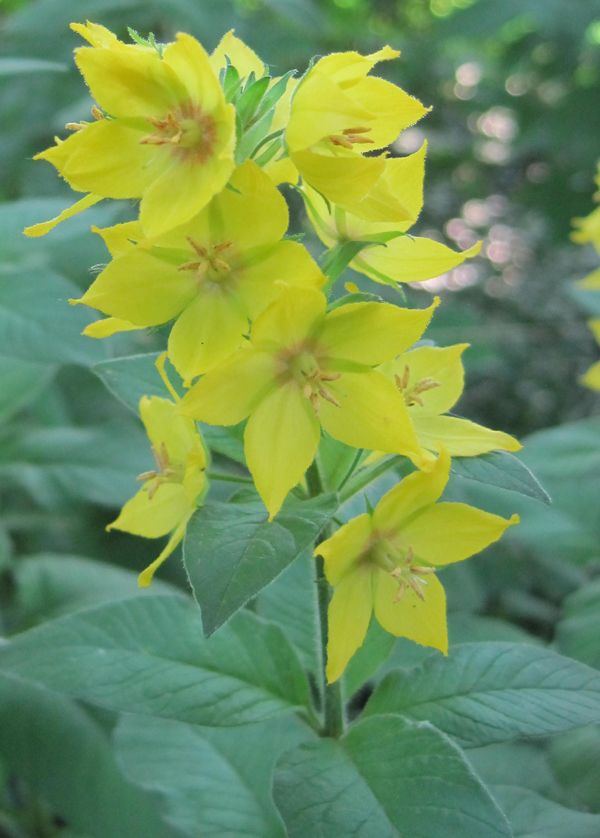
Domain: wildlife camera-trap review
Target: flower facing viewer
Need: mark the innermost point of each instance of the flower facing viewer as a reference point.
(385, 562)
(171, 492)
(304, 369)
(212, 274)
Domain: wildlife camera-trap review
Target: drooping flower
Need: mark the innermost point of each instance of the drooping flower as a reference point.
(402, 258)
(212, 274)
(337, 113)
(385, 562)
(592, 376)
(304, 369)
(431, 380)
(163, 132)
(173, 490)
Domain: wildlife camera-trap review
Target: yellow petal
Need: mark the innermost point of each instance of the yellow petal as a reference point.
(319, 109)
(282, 171)
(407, 259)
(417, 491)
(321, 215)
(394, 109)
(371, 333)
(121, 237)
(45, 226)
(423, 621)
(592, 377)
(281, 440)
(349, 614)
(241, 56)
(165, 426)
(345, 547)
(460, 437)
(589, 228)
(343, 179)
(592, 281)
(288, 262)
(145, 577)
(371, 414)
(210, 329)
(401, 180)
(348, 68)
(228, 393)
(289, 320)
(130, 82)
(190, 63)
(257, 199)
(595, 327)
(141, 288)
(442, 364)
(110, 161)
(154, 517)
(96, 35)
(109, 326)
(450, 532)
(194, 183)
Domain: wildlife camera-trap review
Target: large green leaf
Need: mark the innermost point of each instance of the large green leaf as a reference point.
(36, 321)
(232, 552)
(578, 630)
(492, 692)
(386, 778)
(97, 464)
(209, 781)
(20, 383)
(575, 761)
(148, 655)
(50, 743)
(501, 469)
(135, 376)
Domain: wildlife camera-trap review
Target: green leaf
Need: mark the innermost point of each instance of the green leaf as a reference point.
(274, 94)
(93, 464)
(16, 66)
(20, 383)
(251, 551)
(575, 761)
(337, 259)
(578, 630)
(135, 376)
(501, 469)
(250, 99)
(38, 324)
(493, 692)
(54, 746)
(386, 778)
(147, 655)
(209, 781)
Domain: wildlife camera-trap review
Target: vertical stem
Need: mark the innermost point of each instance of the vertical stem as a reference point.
(333, 705)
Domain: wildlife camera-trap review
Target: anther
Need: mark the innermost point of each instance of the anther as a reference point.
(330, 376)
(74, 126)
(96, 112)
(219, 248)
(220, 265)
(329, 397)
(201, 251)
(314, 400)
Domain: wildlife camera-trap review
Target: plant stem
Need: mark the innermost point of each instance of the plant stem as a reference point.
(333, 705)
(230, 478)
(368, 475)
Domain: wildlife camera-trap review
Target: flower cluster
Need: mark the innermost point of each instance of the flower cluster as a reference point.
(588, 230)
(203, 142)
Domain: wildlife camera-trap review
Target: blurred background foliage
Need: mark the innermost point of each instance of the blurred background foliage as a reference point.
(513, 139)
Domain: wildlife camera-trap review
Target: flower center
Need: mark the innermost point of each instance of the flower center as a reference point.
(190, 132)
(210, 264)
(165, 471)
(303, 367)
(401, 565)
(351, 136)
(412, 395)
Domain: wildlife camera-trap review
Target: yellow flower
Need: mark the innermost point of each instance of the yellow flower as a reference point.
(403, 258)
(337, 113)
(431, 380)
(592, 376)
(172, 491)
(212, 274)
(303, 369)
(165, 133)
(386, 562)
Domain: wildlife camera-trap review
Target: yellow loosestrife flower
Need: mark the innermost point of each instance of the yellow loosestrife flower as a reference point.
(172, 491)
(212, 274)
(385, 562)
(431, 380)
(304, 369)
(402, 259)
(165, 133)
(337, 113)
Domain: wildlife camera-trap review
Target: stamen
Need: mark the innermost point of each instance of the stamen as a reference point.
(201, 251)
(330, 376)
(314, 400)
(360, 130)
(96, 112)
(329, 396)
(219, 248)
(74, 126)
(146, 475)
(220, 265)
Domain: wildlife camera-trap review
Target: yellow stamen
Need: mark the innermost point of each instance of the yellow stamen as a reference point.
(74, 126)
(96, 112)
